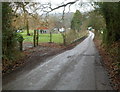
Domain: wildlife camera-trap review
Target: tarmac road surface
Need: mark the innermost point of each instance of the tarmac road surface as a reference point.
(76, 69)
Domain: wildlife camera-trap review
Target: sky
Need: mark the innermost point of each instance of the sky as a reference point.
(82, 6)
(86, 7)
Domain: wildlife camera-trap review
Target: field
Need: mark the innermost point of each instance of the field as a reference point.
(56, 38)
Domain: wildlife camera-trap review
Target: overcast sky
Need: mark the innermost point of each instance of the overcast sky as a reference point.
(77, 6)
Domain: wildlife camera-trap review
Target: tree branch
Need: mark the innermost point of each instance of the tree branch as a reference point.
(64, 5)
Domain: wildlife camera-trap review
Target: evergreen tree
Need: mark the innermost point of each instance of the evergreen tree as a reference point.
(76, 21)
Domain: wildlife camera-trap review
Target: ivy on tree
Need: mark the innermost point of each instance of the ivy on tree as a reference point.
(8, 32)
(111, 13)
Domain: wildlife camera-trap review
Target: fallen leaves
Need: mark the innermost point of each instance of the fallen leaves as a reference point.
(111, 60)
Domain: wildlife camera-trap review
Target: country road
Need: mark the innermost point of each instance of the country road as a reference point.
(76, 69)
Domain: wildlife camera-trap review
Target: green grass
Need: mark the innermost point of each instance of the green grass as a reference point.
(56, 38)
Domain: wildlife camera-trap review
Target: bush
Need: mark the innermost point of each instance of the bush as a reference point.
(20, 38)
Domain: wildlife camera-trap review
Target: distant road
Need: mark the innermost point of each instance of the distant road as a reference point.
(76, 69)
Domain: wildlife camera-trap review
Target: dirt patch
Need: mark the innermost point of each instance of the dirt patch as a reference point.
(27, 45)
(109, 60)
(34, 56)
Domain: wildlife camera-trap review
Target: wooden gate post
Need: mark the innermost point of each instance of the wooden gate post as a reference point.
(37, 37)
(34, 38)
(50, 37)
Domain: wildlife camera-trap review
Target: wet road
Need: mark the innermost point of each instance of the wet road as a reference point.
(76, 69)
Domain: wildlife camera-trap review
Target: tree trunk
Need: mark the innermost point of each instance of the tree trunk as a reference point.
(64, 38)
(27, 26)
(21, 46)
